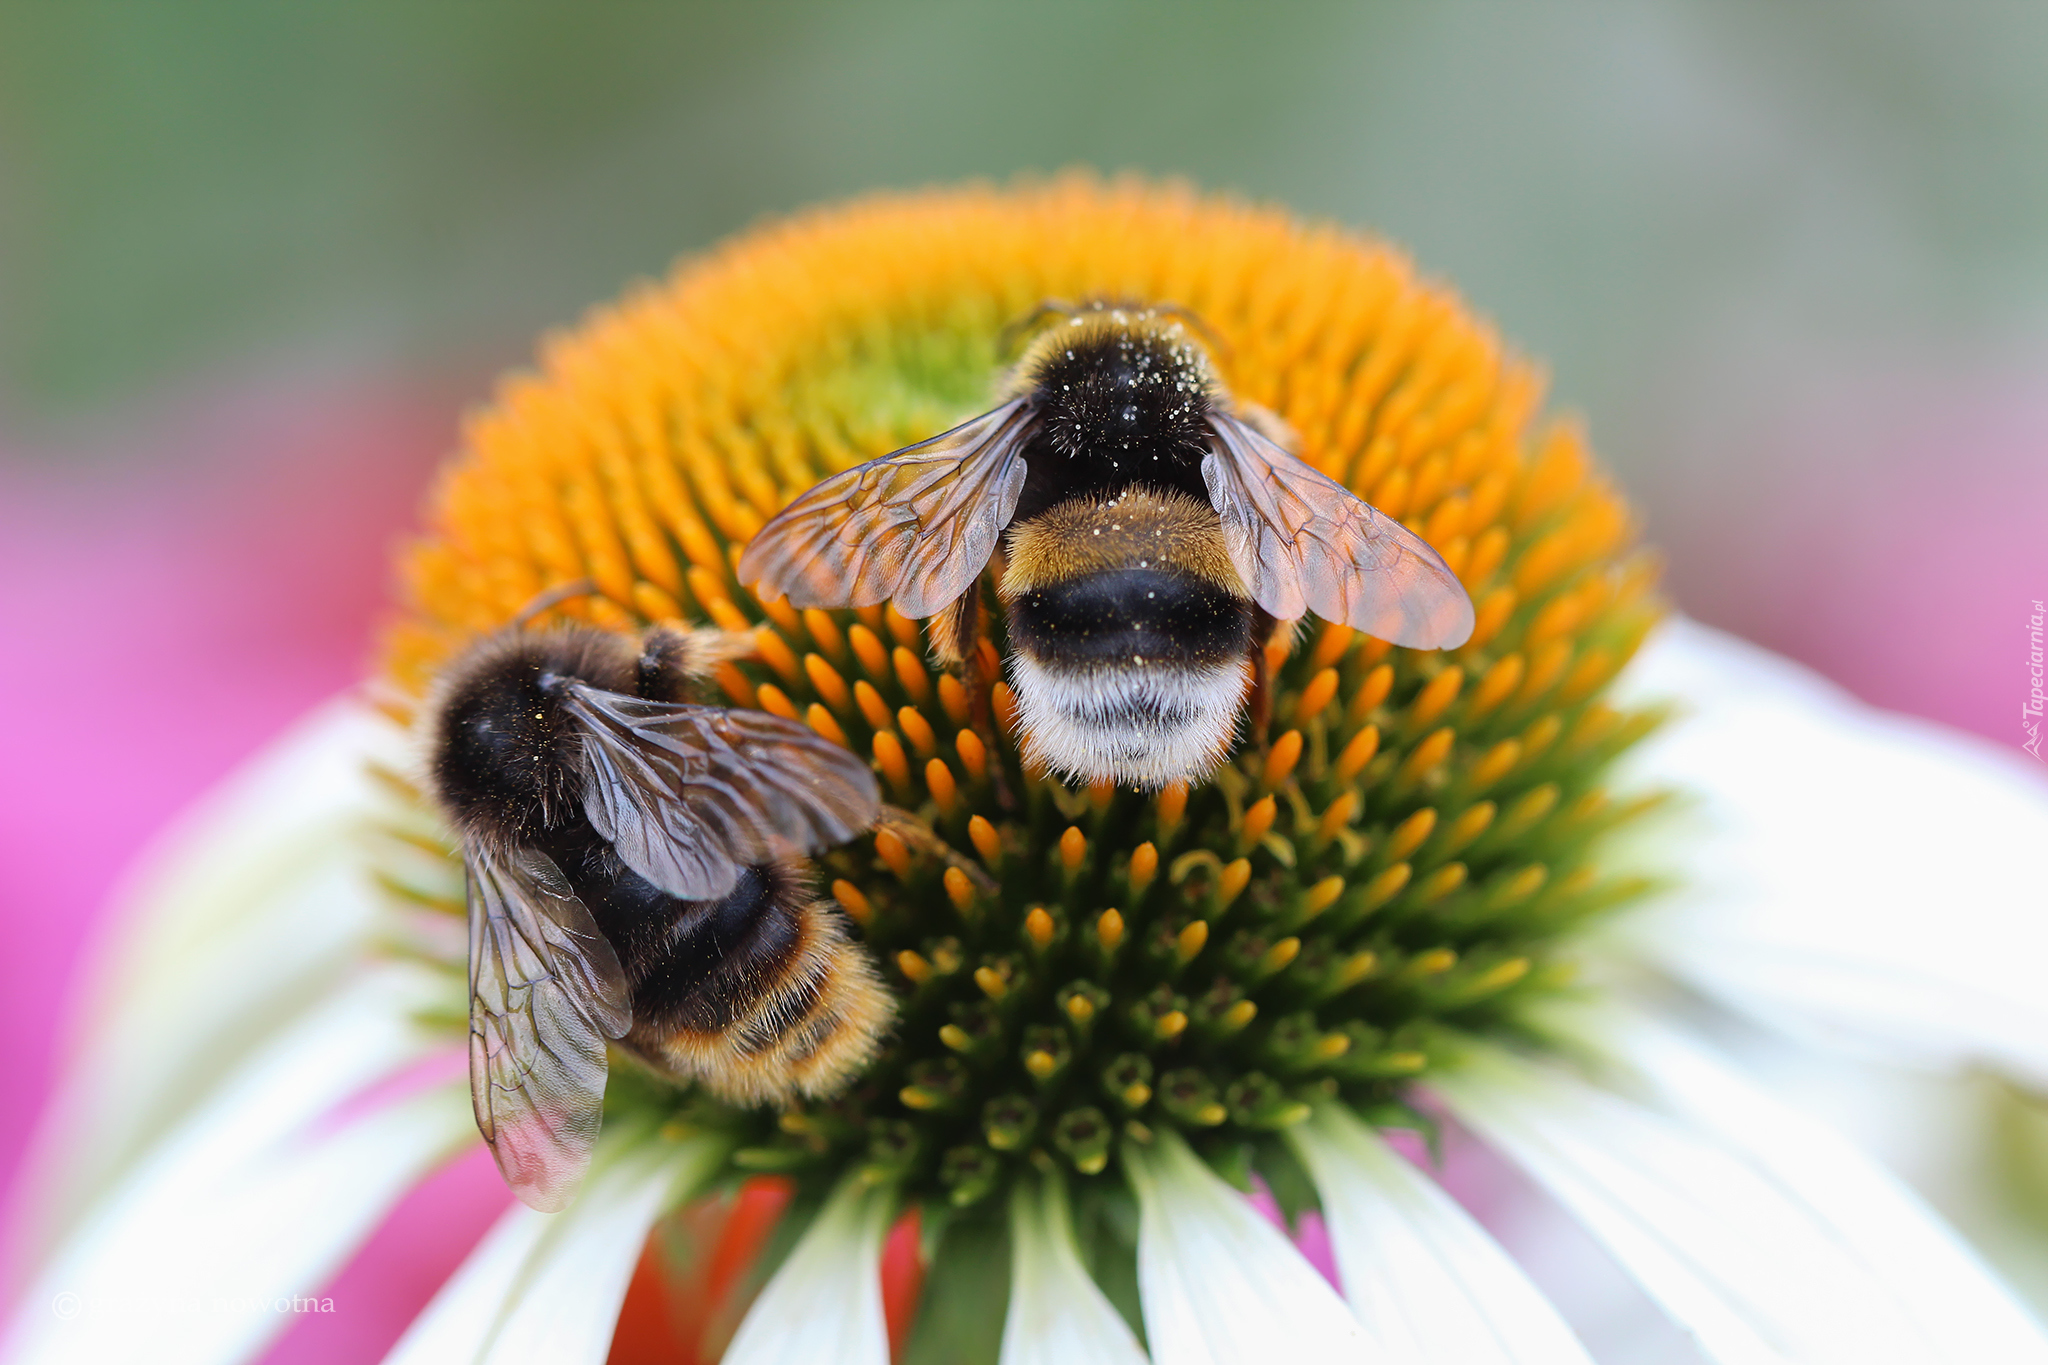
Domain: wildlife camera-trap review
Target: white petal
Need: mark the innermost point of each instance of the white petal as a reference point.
(1858, 877)
(1219, 1283)
(251, 1200)
(252, 907)
(1057, 1314)
(825, 1303)
(1417, 1270)
(545, 1288)
(1957, 1305)
(1728, 1251)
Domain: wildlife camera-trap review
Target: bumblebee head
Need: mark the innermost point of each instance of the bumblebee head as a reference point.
(1110, 380)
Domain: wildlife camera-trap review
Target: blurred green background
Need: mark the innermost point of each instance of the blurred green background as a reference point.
(1669, 201)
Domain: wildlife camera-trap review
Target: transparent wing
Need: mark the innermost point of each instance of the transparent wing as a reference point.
(1304, 542)
(914, 528)
(545, 991)
(689, 795)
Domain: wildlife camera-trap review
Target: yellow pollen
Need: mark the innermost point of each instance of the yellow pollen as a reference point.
(1237, 1016)
(1170, 1026)
(1039, 926)
(1354, 969)
(991, 982)
(1080, 1008)
(914, 966)
(1190, 941)
(1041, 1063)
(955, 1037)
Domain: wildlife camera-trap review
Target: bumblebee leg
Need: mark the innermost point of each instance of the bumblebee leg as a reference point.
(1259, 712)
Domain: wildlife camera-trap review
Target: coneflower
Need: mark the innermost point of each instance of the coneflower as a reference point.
(1465, 884)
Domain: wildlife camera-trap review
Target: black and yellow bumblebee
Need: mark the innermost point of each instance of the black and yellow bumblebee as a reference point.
(1146, 532)
(634, 876)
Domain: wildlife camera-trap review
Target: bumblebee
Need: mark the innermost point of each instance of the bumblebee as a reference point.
(632, 878)
(1146, 532)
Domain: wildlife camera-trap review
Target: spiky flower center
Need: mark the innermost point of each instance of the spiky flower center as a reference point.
(1404, 860)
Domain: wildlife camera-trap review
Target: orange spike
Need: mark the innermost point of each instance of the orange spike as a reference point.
(819, 719)
(953, 698)
(1258, 818)
(1338, 816)
(734, 684)
(1371, 693)
(973, 755)
(902, 627)
(917, 683)
(917, 730)
(1073, 848)
(894, 853)
(1005, 702)
(776, 653)
(1235, 876)
(1039, 926)
(872, 708)
(1332, 645)
(1315, 696)
(825, 678)
(1144, 867)
(1436, 697)
(1426, 755)
(868, 648)
(824, 632)
(1409, 834)
(939, 778)
(1281, 758)
(1173, 804)
(1496, 686)
(853, 902)
(894, 763)
(959, 890)
(776, 702)
(1351, 762)
(988, 841)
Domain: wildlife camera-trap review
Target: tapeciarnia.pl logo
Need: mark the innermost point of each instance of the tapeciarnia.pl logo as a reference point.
(2030, 714)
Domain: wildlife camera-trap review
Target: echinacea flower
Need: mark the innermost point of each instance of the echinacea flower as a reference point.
(1483, 885)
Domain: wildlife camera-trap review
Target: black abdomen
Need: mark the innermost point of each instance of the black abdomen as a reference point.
(1122, 616)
